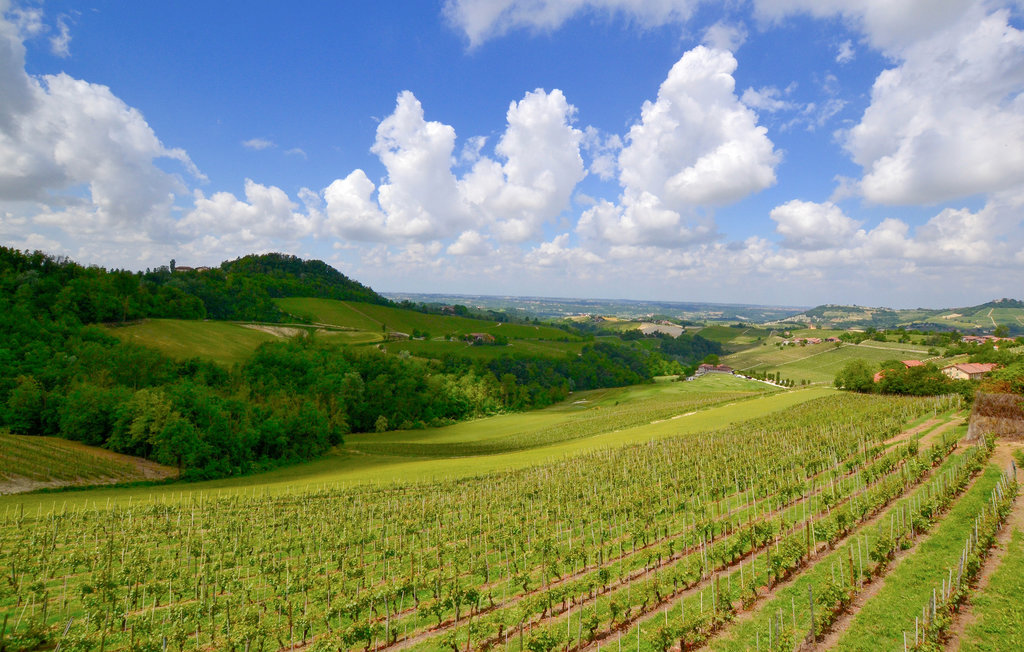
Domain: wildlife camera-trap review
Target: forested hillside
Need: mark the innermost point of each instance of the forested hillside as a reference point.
(290, 401)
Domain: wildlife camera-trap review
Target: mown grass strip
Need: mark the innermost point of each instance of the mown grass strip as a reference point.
(999, 623)
(883, 619)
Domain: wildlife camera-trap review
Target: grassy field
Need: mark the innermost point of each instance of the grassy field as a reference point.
(377, 319)
(438, 348)
(223, 342)
(348, 466)
(819, 363)
(587, 414)
(999, 623)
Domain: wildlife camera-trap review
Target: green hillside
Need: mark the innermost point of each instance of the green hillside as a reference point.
(181, 339)
(984, 317)
(378, 319)
(818, 363)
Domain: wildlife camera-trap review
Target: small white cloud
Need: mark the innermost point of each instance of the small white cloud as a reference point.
(471, 150)
(480, 20)
(845, 53)
(767, 98)
(258, 144)
(296, 151)
(28, 20)
(725, 36)
(470, 243)
(60, 43)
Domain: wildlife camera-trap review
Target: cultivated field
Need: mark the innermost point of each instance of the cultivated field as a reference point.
(378, 319)
(819, 363)
(223, 342)
(28, 463)
(572, 553)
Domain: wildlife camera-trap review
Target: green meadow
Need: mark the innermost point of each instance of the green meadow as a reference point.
(380, 319)
(223, 342)
(819, 363)
(348, 465)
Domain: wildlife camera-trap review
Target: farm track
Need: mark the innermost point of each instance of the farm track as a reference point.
(1002, 456)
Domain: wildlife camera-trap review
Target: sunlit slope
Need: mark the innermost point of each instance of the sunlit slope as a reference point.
(350, 466)
(819, 363)
(380, 319)
(223, 342)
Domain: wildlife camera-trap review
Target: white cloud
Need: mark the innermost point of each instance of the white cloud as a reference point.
(258, 144)
(767, 98)
(60, 43)
(469, 243)
(604, 152)
(267, 212)
(696, 147)
(845, 52)
(542, 167)
(558, 253)
(420, 195)
(949, 121)
(351, 210)
(808, 225)
(296, 151)
(480, 20)
(697, 144)
(888, 25)
(725, 36)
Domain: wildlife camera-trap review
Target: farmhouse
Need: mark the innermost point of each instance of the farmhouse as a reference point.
(713, 369)
(906, 363)
(483, 338)
(968, 370)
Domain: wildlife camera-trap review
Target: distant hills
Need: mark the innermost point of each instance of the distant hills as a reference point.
(981, 318)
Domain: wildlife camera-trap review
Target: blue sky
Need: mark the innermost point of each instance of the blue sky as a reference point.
(762, 151)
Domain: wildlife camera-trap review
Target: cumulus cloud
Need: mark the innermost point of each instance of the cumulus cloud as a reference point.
(697, 143)
(696, 147)
(945, 122)
(480, 20)
(469, 243)
(80, 155)
(527, 184)
(266, 212)
(809, 225)
(542, 165)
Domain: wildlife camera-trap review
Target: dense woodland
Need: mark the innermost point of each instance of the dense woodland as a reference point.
(62, 375)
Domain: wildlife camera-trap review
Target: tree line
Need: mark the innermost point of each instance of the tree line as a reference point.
(62, 375)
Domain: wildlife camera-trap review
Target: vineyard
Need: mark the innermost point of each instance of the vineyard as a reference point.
(33, 462)
(716, 538)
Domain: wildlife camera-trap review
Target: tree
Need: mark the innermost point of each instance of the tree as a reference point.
(856, 376)
(1002, 330)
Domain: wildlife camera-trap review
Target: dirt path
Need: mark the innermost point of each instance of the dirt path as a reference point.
(1002, 457)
